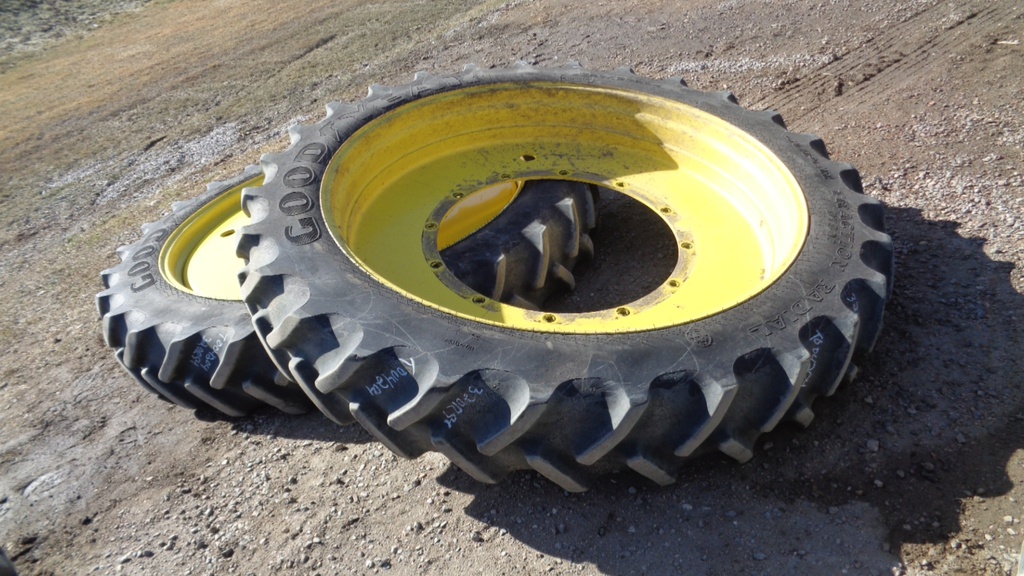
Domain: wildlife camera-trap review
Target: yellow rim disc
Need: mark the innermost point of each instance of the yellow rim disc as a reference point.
(738, 215)
(199, 256)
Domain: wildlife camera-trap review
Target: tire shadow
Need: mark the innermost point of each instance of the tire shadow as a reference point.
(932, 421)
(942, 391)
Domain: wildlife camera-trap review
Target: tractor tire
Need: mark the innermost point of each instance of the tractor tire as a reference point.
(195, 348)
(782, 274)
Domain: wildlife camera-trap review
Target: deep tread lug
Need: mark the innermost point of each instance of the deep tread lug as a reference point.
(479, 471)
(652, 469)
(558, 473)
(286, 400)
(737, 450)
(168, 391)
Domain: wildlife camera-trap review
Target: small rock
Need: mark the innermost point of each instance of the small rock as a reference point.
(879, 484)
(227, 552)
(928, 466)
(125, 559)
(1008, 519)
(760, 556)
(873, 445)
(369, 564)
(476, 536)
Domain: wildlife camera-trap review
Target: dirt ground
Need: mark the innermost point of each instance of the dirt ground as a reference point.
(914, 468)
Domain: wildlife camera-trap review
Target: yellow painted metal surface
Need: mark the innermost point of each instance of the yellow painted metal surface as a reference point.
(474, 211)
(738, 214)
(199, 256)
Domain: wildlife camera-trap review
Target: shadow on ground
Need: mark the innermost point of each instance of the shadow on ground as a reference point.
(933, 418)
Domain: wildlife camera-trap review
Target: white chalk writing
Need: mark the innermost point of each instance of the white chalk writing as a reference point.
(386, 381)
(457, 406)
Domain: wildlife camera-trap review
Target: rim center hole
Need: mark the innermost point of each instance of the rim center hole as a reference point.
(634, 253)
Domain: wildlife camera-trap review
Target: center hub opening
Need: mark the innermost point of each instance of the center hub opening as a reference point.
(635, 252)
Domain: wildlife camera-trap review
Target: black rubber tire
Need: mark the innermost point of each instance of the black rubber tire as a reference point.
(6, 566)
(155, 329)
(529, 251)
(569, 406)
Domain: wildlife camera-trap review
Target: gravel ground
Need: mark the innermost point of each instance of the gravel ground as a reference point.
(913, 468)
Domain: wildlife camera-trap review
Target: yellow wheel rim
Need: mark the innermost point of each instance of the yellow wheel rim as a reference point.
(738, 215)
(199, 255)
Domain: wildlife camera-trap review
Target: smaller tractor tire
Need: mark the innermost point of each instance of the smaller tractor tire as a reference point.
(192, 343)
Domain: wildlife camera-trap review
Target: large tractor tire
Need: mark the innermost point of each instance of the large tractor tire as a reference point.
(528, 251)
(782, 273)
